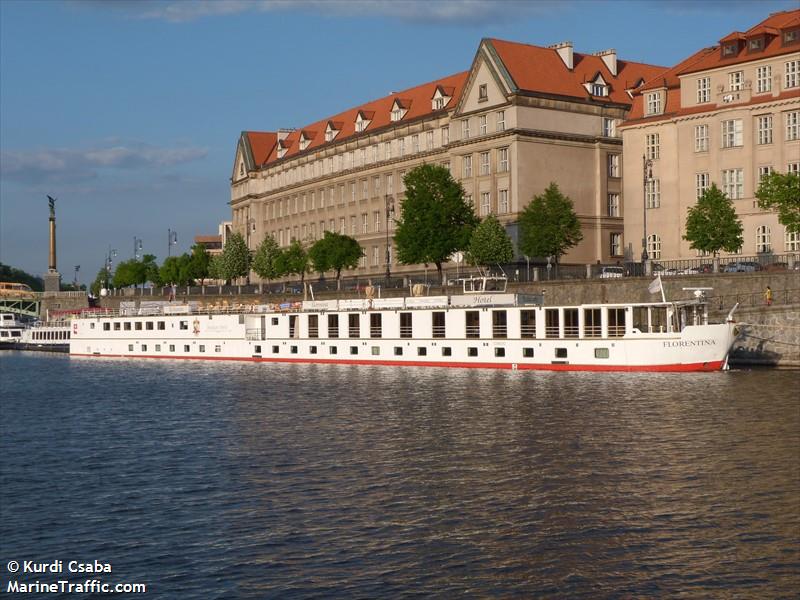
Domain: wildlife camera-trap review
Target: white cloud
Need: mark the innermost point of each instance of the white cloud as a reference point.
(72, 164)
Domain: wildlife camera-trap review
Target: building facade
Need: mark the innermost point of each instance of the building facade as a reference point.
(727, 115)
(522, 117)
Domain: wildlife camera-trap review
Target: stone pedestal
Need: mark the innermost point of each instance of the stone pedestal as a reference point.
(52, 281)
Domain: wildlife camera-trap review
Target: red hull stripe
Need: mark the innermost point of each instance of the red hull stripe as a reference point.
(707, 366)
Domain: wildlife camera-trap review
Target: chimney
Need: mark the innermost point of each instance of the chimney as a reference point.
(564, 50)
(610, 58)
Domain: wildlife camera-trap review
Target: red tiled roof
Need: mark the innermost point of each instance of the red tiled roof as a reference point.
(208, 239)
(541, 70)
(262, 144)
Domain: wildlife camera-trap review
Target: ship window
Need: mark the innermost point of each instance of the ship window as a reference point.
(106, 326)
(274, 320)
(527, 323)
(398, 351)
(499, 324)
(640, 318)
(148, 326)
(116, 326)
(91, 325)
(376, 350)
(313, 349)
(276, 349)
(405, 325)
(162, 325)
(447, 351)
(499, 352)
(292, 325)
(472, 351)
(158, 347)
(658, 318)
(591, 322)
(438, 324)
(184, 325)
(202, 348)
(561, 353)
(313, 326)
(217, 348)
(601, 352)
(293, 349)
(137, 326)
(333, 349)
(616, 322)
(256, 349)
(551, 322)
(333, 326)
(186, 347)
(375, 325)
(422, 351)
(473, 323)
(353, 349)
(130, 347)
(571, 322)
(172, 347)
(527, 352)
(127, 326)
(144, 347)
(354, 326)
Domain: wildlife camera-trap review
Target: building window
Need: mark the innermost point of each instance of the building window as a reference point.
(609, 127)
(484, 163)
(387, 150)
(377, 218)
(791, 36)
(703, 90)
(763, 239)
(482, 124)
(654, 246)
(599, 89)
(732, 133)
(792, 126)
(764, 79)
(764, 171)
(401, 145)
(652, 145)
(733, 183)
(791, 241)
(701, 138)
(653, 103)
(445, 135)
(613, 205)
(702, 182)
(792, 74)
(429, 140)
(793, 167)
(613, 165)
(501, 120)
(616, 244)
(502, 201)
(466, 163)
(464, 129)
(653, 193)
(390, 184)
(486, 203)
(502, 160)
(483, 94)
(764, 129)
(735, 81)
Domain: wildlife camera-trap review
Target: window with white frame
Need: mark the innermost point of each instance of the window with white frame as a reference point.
(364, 189)
(763, 79)
(484, 163)
(397, 113)
(763, 243)
(654, 246)
(402, 179)
(468, 199)
(387, 150)
(599, 89)
(341, 194)
(482, 125)
(353, 225)
(390, 184)
(353, 192)
(466, 166)
(791, 241)
(429, 140)
(703, 90)
(792, 125)
(793, 167)
(735, 81)
(401, 147)
(377, 219)
(701, 138)
(332, 225)
(613, 205)
(362, 157)
(376, 255)
(486, 203)
(609, 127)
(415, 144)
(445, 135)
(438, 103)
(312, 200)
(653, 103)
(375, 156)
(652, 144)
(464, 129)
(376, 185)
(342, 225)
(502, 160)
(501, 120)
(702, 181)
(483, 93)
(653, 193)
(502, 201)
(733, 183)
(313, 231)
(791, 74)
(764, 126)
(615, 247)
(613, 165)
(763, 171)
(732, 133)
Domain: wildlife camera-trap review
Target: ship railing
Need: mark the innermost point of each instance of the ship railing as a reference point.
(253, 334)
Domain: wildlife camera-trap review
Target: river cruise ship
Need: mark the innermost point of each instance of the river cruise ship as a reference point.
(483, 328)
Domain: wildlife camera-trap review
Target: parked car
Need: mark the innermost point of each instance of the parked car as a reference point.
(744, 266)
(611, 272)
(659, 269)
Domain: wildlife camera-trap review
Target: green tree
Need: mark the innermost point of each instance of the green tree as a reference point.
(129, 272)
(712, 224)
(435, 220)
(99, 282)
(235, 258)
(200, 261)
(548, 225)
(781, 192)
(335, 252)
(490, 243)
(265, 261)
(151, 269)
(177, 270)
(12, 275)
(215, 270)
(293, 260)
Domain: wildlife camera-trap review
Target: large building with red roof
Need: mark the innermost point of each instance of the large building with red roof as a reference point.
(522, 117)
(727, 115)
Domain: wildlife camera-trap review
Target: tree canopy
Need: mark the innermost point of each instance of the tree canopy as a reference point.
(177, 270)
(235, 258)
(548, 225)
(712, 224)
(334, 252)
(781, 192)
(12, 275)
(293, 260)
(200, 261)
(490, 243)
(265, 261)
(435, 218)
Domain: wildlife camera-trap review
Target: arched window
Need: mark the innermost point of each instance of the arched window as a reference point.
(654, 246)
(763, 239)
(791, 241)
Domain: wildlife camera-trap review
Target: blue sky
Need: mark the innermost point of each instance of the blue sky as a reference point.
(129, 112)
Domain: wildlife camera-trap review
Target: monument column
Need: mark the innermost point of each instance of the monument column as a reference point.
(52, 279)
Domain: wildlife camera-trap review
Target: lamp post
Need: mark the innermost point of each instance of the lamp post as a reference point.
(137, 247)
(172, 240)
(389, 201)
(647, 176)
(109, 261)
(77, 268)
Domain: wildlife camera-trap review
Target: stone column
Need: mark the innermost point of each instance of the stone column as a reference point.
(52, 279)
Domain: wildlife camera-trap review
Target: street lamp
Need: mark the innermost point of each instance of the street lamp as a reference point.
(172, 240)
(389, 201)
(647, 176)
(137, 247)
(109, 261)
(77, 268)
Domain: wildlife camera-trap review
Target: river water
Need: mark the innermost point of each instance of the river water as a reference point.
(239, 480)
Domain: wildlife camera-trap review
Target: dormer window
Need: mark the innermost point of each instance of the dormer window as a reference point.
(363, 119)
(729, 49)
(305, 139)
(755, 45)
(441, 97)
(397, 114)
(598, 89)
(331, 131)
(399, 110)
(653, 100)
(438, 103)
(791, 37)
